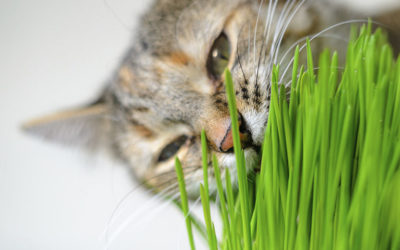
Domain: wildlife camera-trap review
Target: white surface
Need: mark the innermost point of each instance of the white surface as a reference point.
(55, 54)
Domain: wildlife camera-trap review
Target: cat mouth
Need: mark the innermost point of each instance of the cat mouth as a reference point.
(252, 157)
(226, 160)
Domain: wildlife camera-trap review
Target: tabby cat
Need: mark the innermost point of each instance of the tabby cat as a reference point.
(170, 84)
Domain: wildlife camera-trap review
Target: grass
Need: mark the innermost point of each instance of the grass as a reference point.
(330, 175)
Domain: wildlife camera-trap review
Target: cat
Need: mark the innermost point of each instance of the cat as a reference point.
(170, 84)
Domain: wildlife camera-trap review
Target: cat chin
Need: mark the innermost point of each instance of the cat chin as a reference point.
(225, 160)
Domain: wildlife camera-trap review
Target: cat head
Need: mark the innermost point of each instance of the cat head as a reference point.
(170, 86)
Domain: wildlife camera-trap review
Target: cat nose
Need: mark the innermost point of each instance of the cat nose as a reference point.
(223, 139)
(227, 142)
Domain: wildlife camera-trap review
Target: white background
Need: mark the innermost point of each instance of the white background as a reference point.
(57, 54)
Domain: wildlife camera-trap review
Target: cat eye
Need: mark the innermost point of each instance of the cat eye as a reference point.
(172, 148)
(218, 57)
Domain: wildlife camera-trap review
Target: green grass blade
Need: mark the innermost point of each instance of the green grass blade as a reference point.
(184, 201)
(221, 196)
(241, 168)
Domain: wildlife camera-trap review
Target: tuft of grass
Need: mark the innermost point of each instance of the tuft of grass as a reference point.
(330, 168)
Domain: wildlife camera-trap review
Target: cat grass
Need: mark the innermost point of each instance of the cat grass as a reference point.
(330, 169)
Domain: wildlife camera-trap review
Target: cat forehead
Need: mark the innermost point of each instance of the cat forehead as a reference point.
(186, 25)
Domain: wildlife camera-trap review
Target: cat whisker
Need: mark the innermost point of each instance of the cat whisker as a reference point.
(280, 29)
(293, 46)
(255, 32)
(287, 85)
(173, 172)
(259, 61)
(191, 206)
(190, 212)
(117, 209)
(114, 13)
(287, 65)
(269, 20)
(153, 211)
(285, 17)
(238, 55)
(248, 42)
(169, 193)
(283, 29)
(265, 38)
(171, 177)
(163, 193)
(322, 32)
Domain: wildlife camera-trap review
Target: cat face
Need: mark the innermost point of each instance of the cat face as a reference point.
(170, 86)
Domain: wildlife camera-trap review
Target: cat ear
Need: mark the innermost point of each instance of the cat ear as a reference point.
(85, 126)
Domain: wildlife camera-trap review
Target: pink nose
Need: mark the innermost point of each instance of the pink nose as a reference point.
(220, 135)
(227, 141)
